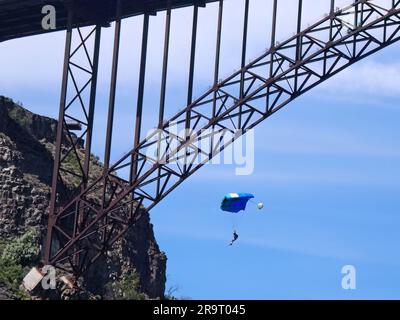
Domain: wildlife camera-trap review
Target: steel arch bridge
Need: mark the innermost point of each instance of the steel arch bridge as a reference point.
(81, 228)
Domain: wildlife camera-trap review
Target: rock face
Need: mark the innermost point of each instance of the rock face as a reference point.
(26, 144)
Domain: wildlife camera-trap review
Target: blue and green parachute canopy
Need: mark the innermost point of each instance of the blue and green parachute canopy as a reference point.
(235, 202)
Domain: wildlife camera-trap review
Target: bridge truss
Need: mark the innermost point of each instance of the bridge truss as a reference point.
(80, 227)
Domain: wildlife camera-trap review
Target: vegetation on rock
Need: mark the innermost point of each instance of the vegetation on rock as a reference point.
(127, 288)
(16, 257)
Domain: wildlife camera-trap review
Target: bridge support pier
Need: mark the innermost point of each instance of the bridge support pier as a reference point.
(74, 133)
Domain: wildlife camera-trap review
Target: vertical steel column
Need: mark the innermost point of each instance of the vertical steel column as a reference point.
(385, 22)
(139, 110)
(272, 46)
(332, 12)
(245, 29)
(79, 215)
(164, 68)
(191, 76)
(60, 125)
(274, 20)
(355, 27)
(244, 50)
(299, 44)
(113, 87)
(299, 20)
(361, 22)
(111, 104)
(216, 67)
(331, 17)
(192, 55)
(164, 75)
(92, 103)
(218, 52)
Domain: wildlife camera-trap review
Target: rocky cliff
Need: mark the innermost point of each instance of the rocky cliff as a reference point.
(26, 157)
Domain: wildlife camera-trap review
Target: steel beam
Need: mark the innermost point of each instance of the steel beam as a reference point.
(243, 58)
(191, 74)
(139, 107)
(299, 46)
(113, 87)
(59, 138)
(164, 72)
(217, 59)
(272, 46)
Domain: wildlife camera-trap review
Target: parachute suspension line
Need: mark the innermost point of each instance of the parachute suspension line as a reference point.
(233, 222)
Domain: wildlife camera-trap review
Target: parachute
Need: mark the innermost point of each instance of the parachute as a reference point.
(235, 202)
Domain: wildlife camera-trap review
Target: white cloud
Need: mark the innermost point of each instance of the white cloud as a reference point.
(368, 78)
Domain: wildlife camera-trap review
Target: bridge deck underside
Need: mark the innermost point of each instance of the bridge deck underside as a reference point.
(21, 18)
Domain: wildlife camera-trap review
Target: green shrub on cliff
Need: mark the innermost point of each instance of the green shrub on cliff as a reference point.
(15, 255)
(11, 275)
(22, 251)
(127, 288)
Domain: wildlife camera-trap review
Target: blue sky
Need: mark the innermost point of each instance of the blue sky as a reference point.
(326, 167)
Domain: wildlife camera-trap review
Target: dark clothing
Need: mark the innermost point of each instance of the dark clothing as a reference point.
(235, 237)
